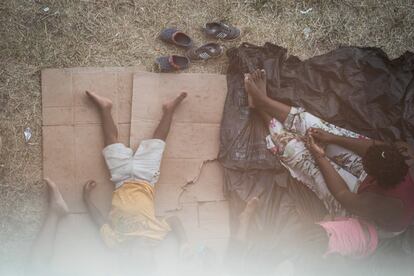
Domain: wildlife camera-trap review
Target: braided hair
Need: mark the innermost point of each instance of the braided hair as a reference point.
(386, 164)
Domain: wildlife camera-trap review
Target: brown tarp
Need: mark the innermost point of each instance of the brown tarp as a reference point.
(360, 89)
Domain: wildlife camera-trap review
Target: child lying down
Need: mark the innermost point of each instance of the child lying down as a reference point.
(364, 179)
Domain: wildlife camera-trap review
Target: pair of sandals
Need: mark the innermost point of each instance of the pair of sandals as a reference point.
(217, 30)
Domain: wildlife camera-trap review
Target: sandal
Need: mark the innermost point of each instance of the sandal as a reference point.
(172, 63)
(220, 30)
(174, 36)
(204, 52)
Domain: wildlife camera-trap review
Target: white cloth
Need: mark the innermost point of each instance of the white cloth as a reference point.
(145, 164)
(287, 141)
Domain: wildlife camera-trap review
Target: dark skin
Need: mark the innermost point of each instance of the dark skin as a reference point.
(110, 131)
(93, 212)
(380, 209)
(99, 219)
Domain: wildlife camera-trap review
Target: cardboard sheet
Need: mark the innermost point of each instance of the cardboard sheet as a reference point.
(73, 141)
(193, 138)
(72, 146)
(72, 134)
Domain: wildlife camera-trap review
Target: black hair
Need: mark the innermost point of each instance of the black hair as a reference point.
(386, 164)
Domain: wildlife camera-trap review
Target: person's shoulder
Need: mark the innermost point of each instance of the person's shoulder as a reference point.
(371, 197)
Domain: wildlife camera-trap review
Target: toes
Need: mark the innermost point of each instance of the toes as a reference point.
(182, 96)
(255, 75)
(263, 74)
(247, 77)
(90, 184)
(258, 74)
(89, 94)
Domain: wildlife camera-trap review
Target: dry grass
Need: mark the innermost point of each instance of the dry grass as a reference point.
(122, 33)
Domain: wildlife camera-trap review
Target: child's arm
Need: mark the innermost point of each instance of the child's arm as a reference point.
(93, 212)
(359, 146)
(357, 204)
(178, 229)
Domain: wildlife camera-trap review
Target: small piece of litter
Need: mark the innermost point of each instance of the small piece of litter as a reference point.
(46, 9)
(306, 11)
(27, 134)
(307, 32)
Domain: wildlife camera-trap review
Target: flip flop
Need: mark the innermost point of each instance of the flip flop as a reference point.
(204, 52)
(172, 63)
(220, 30)
(176, 37)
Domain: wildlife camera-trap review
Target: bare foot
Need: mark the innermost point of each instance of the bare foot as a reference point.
(252, 82)
(87, 189)
(259, 78)
(56, 202)
(249, 86)
(170, 106)
(101, 102)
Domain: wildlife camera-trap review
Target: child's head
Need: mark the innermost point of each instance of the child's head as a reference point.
(386, 164)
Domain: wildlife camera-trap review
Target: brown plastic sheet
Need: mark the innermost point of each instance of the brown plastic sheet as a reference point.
(360, 89)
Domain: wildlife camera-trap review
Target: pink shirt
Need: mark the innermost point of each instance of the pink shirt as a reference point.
(348, 238)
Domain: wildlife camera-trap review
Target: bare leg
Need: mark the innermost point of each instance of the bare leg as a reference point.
(249, 84)
(109, 127)
(266, 118)
(42, 250)
(245, 218)
(163, 128)
(263, 115)
(255, 85)
(238, 257)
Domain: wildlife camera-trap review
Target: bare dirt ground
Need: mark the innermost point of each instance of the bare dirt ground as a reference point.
(63, 33)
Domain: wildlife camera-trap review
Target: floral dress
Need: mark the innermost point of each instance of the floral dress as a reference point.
(287, 141)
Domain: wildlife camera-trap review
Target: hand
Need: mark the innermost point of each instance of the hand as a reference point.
(87, 188)
(321, 135)
(316, 150)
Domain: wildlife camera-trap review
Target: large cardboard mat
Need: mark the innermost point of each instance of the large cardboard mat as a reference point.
(73, 141)
(193, 139)
(72, 134)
